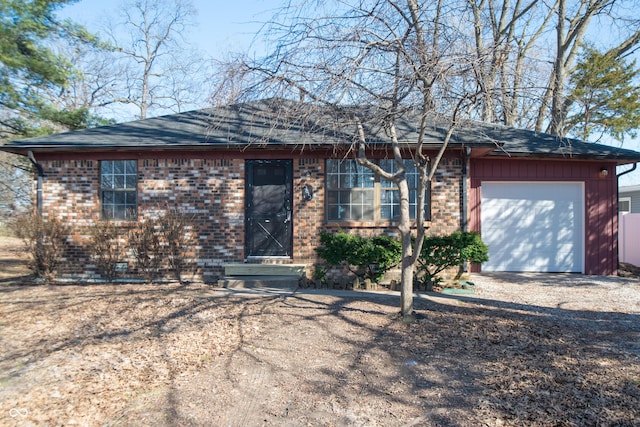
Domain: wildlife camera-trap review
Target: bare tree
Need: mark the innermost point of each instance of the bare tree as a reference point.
(157, 72)
(505, 34)
(368, 69)
(528, 49)
(15, 185)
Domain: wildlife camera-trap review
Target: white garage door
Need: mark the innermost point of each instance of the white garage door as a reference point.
(532, 226)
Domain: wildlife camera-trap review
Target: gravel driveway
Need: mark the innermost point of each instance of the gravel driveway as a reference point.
(561, 291)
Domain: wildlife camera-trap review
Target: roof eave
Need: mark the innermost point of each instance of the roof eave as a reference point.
(67, 148)
(619, 159)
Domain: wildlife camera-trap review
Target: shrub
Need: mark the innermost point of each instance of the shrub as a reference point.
(106, 248)
(144, 242)
(154, 244)
(442, 252)
(176, 238)
(44, 242)
(365, 257)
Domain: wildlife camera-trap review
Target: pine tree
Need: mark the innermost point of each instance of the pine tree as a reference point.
(29, 68)
(605, 97)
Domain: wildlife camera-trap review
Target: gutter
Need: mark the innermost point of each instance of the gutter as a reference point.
(39, 182)
(635, 165)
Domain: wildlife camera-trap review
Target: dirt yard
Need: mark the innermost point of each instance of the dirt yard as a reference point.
(535, 350)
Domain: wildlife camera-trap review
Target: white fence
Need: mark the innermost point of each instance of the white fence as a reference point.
(629, 238)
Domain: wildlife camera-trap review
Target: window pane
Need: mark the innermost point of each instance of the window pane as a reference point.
(332, 197)
(333, 212)
(385, 212)
(332, 181)
(119, 212)
(131, 181)
(357, 197)
(119, 197)
(348, 174)
(389, 200)
(332, 166)
(107, 181)
(130, 213)
(107, 197)
(118, 167)
(412, 178)
(130, 167)
(106, 212)
(386, 183)
(106, 166)
(368, 213)
(344, 197)
(357, 213)
(387, 196)
(130, 198)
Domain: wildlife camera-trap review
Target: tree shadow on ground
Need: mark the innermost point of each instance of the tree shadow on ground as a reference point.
(460, 364)
(202, 356)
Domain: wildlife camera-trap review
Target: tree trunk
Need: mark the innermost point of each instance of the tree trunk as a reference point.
(406, 280)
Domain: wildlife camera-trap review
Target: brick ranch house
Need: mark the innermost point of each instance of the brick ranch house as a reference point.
(261, 194)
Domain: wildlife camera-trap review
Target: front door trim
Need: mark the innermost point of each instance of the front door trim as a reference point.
(275, 227)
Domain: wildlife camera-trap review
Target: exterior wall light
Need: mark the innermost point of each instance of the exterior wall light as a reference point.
(307, 192)
(604, 171)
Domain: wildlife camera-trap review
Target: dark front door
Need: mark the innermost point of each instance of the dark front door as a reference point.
(268, 219)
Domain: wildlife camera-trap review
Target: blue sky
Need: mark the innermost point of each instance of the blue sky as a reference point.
(222, 26)
(226, 26)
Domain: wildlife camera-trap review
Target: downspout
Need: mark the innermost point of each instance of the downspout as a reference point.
(464, 202)
(39, 182)
(635, 165)
(464, 221)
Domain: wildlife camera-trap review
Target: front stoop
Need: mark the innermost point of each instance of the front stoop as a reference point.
(278, 276)
(251, 282)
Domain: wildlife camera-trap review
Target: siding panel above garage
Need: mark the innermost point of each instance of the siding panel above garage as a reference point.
(533, 226)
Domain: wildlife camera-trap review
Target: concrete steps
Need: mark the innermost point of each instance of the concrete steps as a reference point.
(257, 276)
(253, 282)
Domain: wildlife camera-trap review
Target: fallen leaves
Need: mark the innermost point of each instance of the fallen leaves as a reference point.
(77, 354)
(109, 354)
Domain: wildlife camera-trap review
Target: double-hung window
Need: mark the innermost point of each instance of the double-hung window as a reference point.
(355, 193)
(118, 189)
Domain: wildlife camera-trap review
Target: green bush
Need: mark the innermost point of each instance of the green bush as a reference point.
(365, 257)
(442, 252)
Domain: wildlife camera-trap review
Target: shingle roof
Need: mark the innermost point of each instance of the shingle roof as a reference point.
(255, 123)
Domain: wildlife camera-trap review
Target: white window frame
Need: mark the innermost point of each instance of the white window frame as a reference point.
(627, 200)
(119, 190)
(346, 187)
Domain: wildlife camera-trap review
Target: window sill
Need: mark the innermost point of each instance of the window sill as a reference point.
(368, 224)
(124, 223)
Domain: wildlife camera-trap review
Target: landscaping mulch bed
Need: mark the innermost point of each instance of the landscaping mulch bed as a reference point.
(539, 350)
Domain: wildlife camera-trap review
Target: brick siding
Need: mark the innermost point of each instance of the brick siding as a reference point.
(211, 192)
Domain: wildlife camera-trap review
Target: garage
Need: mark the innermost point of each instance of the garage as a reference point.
(533, 226)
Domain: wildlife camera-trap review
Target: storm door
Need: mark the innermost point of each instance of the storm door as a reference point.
(268, 208)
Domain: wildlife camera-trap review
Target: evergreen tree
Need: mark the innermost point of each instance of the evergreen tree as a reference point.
(30, 68)
(605, 97)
